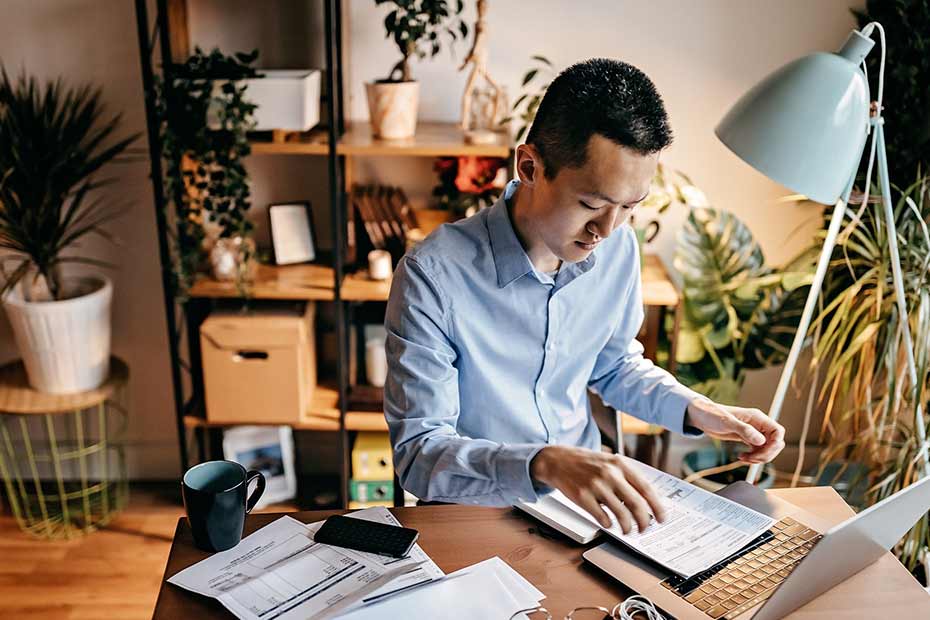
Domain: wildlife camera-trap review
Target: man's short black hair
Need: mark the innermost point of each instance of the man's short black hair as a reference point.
(598, 96)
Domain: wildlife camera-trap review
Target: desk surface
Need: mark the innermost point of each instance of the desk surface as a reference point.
(555, 566)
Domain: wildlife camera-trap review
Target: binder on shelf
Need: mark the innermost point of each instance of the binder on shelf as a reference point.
(371, 457)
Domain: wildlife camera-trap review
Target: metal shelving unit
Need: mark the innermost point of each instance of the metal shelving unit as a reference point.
(165, 33)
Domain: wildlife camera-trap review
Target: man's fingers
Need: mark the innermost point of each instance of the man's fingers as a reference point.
(593, 507)
(766, 453)
(624, 518)
(635, 503)
(748, 433)
(647, 492)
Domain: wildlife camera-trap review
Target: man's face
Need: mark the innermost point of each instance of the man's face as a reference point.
(581, 207)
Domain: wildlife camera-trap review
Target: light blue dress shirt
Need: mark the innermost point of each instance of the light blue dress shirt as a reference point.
(489, 360)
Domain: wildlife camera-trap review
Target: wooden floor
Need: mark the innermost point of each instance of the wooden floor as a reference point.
(113, 573)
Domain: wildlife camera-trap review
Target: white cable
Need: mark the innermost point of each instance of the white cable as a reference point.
(637, 604)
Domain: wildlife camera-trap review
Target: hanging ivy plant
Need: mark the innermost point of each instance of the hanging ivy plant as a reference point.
(204, 120)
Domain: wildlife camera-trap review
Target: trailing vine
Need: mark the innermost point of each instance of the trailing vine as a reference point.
(203, 147)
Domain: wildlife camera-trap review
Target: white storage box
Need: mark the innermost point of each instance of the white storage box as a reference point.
(287, 99)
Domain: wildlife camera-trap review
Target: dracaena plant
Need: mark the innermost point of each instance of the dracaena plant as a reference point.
(54, 139)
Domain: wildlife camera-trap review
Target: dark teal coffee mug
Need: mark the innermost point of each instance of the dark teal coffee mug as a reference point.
(216, 499)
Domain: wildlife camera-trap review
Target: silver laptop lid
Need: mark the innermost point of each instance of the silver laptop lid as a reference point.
(859, 541)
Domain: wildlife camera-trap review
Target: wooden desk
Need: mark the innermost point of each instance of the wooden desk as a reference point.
(459, 536)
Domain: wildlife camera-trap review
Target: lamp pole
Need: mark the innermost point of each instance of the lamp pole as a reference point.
(836, 221)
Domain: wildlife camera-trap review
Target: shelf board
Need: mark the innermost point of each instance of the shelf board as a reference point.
(658, 288)
(322, 416)
(359, 287)
(431, 140)
(297, 282)
(313, 142)
(300, 282)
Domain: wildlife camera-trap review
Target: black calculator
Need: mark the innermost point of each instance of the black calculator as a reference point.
(363, 535)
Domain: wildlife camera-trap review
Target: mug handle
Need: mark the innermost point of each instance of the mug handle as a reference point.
(652, 231)
(259, 489)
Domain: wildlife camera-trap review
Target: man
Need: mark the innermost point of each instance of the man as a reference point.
(498, 325)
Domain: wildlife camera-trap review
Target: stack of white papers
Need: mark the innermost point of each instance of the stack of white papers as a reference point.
(700, 528)
(489, 589)
(280, 572)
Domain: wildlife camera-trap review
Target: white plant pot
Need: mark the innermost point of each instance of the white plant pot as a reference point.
(285, 99)
(393, 109)
(65, 344)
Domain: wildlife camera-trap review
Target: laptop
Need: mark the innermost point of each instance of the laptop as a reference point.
(790, 564)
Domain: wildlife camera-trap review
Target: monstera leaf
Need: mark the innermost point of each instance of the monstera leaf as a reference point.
(724, 272)
(739, 313)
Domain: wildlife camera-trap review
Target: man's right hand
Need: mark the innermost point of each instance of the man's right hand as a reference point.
(592, 479)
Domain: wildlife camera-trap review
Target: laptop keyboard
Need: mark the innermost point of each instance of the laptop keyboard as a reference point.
(748, 577)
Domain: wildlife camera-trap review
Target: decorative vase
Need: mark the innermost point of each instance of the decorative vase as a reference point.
(65, 344)
(233, 258)
(393, 109)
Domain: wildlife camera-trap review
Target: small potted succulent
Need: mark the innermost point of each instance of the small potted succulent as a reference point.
(53, 141)
(415, 26)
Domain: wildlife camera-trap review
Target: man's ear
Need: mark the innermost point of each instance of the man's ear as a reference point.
(529, 164)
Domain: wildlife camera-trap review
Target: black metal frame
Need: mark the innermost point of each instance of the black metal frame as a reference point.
(193, 311)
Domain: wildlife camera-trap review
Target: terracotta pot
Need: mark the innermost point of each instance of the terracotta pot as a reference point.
(393, 109)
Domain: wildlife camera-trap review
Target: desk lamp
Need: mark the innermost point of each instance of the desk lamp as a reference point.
(805, 126)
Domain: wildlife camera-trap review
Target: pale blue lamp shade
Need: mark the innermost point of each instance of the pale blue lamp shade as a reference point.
(804, 126)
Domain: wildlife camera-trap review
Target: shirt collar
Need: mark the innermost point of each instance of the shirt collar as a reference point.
(510, 258)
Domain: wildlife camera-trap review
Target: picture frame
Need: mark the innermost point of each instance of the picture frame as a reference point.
(293, 234)
(270, 450)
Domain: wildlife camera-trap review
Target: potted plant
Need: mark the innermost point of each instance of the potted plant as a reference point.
(415, 26)
(870, 419)
(52, 144)
(205, 119)
(739, 314)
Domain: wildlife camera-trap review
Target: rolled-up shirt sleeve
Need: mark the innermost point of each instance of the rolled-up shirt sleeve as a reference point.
(422, 405)
(629, 382)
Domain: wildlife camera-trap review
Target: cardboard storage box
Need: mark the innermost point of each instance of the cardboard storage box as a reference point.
(260, 366)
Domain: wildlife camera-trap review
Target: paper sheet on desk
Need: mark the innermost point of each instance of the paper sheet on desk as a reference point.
(424, 573)
(489, 589)
(280, 573)
(700, 530)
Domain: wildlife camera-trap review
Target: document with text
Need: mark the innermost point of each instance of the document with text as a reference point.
(700, 528)
(424, 571)
(280, 572)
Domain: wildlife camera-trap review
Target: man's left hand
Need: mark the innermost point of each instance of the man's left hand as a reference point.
(764, 436)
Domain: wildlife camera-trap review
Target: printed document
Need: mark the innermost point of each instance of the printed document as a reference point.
(700, 528)
(488, 589)
(423, 570)
(280, 572)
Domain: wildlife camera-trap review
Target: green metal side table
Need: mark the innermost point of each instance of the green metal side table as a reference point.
(61, 459)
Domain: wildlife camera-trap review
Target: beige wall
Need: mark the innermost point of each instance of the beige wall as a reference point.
(95, 41)
(702, 56)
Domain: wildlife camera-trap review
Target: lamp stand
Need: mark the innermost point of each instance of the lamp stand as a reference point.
(836, 221)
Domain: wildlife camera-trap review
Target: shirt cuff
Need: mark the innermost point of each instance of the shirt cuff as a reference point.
(513, 471)
(676, 406)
